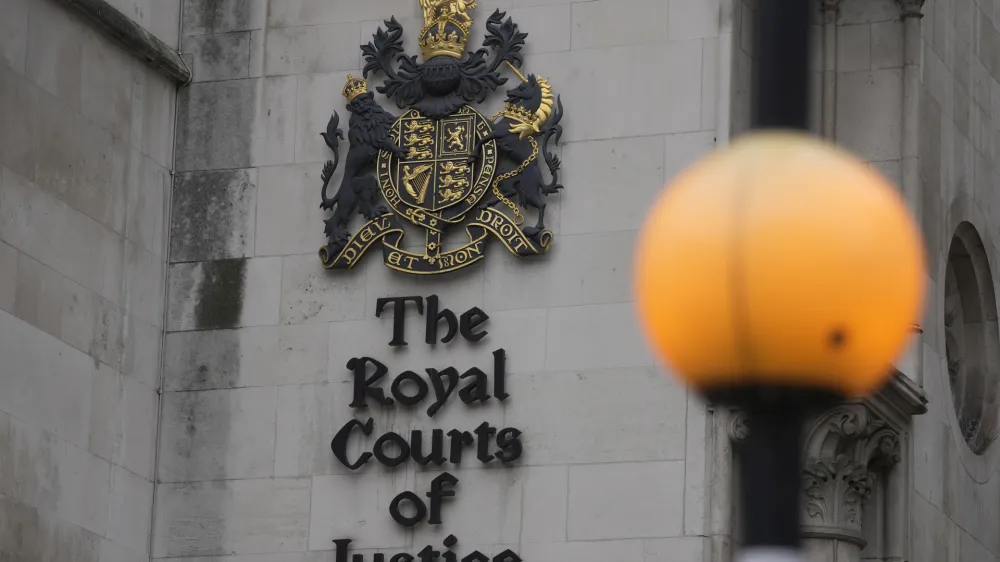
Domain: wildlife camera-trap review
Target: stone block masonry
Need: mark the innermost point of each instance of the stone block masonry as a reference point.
(85, 162)
(135, 261)
(613, 462)
(956, 53)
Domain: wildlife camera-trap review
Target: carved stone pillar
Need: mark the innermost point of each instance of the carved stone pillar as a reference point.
(854, 481)
(849, 454)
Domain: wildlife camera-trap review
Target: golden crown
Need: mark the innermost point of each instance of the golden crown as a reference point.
(354, 87)
(445, 37)
(446, 27)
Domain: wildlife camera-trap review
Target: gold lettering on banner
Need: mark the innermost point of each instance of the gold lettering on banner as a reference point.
(366, 234)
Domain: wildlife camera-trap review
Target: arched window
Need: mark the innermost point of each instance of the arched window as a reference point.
(971, 338)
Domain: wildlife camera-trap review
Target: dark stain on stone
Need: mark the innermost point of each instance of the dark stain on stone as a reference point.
(214, 16)
(19, 531)
(197, 429)
(212, 214)
(28, 535)
(214, 125)
(189, 414)
(203, 360)
(220, 56)
(211, 13)
(188, 417)
(35, 459)
(7, 482)
(211, 49)
(220, 300)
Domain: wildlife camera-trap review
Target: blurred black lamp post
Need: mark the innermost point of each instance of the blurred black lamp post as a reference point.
(779, 275)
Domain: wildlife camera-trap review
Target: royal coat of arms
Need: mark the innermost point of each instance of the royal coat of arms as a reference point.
(442, 163)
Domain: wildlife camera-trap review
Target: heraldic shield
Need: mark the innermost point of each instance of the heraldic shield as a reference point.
(436, 174)
(442, 164)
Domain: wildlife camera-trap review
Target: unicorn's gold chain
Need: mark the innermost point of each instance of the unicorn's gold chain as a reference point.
(518, 218)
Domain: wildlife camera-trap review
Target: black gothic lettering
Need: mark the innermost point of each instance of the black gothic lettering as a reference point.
(398, 316)
(459, 440)
(428, 554)
(470, 320)
(476, 389)
(363, 386)
(500, 374)
(509, 442)
(392, 450)
(441, 392)
(483, 434)
(391, 437)
(339, 443)
(341, 545)
(438, 493)
(400, 396)
(434, 317)
(448, 555)
(437, 447)
(418, 506)
(507, 556)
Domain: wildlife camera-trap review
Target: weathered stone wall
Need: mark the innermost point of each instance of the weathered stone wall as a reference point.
(85, 156)
(869, 69)
(955, 499)
(259, 333)
(957, 493)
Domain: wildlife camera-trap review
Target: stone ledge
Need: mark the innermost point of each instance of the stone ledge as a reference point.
(134, 38)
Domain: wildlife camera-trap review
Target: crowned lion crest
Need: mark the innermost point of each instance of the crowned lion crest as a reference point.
(442, 163)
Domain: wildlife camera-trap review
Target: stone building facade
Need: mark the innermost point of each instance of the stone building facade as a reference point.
(178, 364)
(86, 157)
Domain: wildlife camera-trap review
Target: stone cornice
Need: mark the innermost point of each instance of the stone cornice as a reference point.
(900, 397)
(133, 37)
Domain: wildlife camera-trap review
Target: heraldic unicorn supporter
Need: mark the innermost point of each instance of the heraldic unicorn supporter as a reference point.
(442, 164)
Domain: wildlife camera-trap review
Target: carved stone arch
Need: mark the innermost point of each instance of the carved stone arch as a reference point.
(838, 431)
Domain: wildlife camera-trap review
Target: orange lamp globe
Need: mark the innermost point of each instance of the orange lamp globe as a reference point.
(780, 260)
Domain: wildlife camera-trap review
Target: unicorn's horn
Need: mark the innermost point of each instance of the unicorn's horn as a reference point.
(516, 71)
